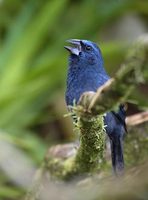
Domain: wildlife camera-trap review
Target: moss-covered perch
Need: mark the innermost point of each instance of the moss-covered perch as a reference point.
(91, 150)
(88, 156)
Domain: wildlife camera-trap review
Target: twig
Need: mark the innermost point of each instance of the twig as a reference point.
(137, 119)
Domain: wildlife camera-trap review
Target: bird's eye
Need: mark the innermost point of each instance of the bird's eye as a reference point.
(88, 48)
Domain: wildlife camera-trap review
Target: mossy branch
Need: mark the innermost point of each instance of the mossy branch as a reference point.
(118, 89)
(88, 155)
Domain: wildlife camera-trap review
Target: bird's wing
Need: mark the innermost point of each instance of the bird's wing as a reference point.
(121, 115)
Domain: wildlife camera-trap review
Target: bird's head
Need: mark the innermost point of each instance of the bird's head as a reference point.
(84, 51)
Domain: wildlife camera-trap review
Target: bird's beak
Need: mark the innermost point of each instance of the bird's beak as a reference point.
(75, 48)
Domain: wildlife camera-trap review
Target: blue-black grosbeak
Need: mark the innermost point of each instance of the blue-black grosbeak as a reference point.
(86, 73)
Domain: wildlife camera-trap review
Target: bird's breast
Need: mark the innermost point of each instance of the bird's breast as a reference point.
(78, 83)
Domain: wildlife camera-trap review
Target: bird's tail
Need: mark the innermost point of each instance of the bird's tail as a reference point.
(117, 155)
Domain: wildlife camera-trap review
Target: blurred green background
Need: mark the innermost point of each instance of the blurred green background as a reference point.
(33, 67)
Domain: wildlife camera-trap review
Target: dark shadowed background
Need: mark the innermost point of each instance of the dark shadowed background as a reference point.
(33, 66)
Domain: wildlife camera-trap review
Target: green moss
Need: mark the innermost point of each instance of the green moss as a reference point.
(89, 156)
(90, 152)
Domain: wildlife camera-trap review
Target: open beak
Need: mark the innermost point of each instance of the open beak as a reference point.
(75, 48)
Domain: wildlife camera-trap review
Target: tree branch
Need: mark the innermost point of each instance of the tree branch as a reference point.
(136, 119)
(118, 89)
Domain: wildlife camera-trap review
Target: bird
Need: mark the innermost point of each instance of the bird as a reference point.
(86, 72)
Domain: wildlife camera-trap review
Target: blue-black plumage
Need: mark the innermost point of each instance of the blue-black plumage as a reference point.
(86, 72)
